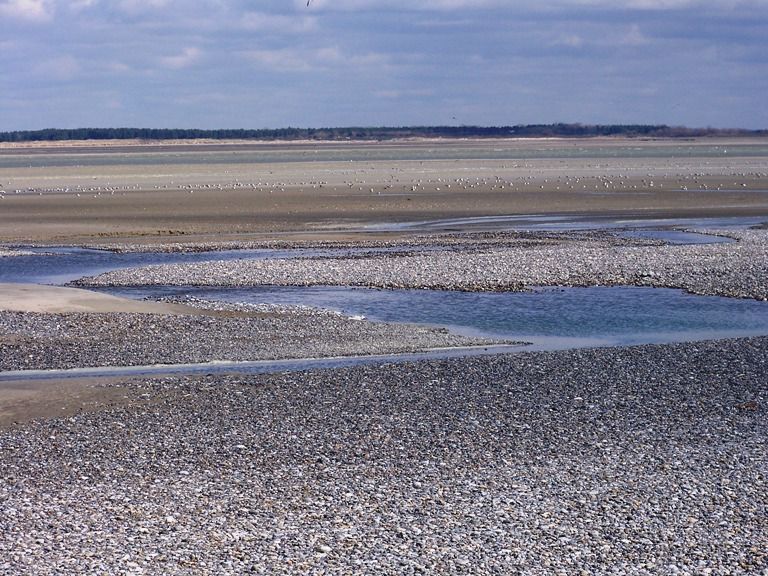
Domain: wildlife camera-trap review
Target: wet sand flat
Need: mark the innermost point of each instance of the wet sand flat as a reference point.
(646, 459)
(242, 191)
(24, 401)
(59, 300)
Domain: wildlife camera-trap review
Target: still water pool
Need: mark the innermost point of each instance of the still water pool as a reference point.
(551, 318)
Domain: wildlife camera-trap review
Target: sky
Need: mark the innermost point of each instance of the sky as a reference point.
(280, 63)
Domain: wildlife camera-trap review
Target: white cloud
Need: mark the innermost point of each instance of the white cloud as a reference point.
(458, 4)
(30, 10)
(296, 59)
(523, 5)
(139, 6)
(188, 57)
(204, 98)
(113, 103)
(661, 5)
(283, 60)
(643, 4)
(78, 5)
(397, 94)
(60, 68)
(510, 55)
(633, 37)
(118, 67)
(425, 5)
(570, 40)
(334, 56)
(277, 22)
(626, 36)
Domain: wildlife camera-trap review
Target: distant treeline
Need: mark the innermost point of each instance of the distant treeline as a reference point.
(380, 133)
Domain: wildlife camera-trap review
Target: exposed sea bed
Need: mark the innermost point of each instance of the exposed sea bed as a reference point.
(737, 269)
(646, 460)
(35, 341)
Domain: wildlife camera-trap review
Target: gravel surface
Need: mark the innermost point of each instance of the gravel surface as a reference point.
(738, 269)
(8, 252)
(645, 460)
(44, 341)
(470, 240)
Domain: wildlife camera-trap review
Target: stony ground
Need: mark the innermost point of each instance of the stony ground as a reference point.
(646, 460)
(738, 269)
(44, 341)
(12, 252)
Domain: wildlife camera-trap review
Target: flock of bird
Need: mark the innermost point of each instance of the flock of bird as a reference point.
(393, 184)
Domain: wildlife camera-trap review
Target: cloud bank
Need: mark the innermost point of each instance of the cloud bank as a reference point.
(234, 63)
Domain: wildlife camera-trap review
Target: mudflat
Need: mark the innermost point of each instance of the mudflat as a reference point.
(115, 192)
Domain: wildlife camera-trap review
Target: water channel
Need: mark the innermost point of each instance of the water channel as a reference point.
(548, 317)
(346, 153)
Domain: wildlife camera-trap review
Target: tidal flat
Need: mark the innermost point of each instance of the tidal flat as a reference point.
(307, 191)
(643, 460)
(646, 459)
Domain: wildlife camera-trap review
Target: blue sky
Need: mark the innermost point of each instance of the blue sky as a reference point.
(277, 63)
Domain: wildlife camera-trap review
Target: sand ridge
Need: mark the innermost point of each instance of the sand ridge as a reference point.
(59, 300)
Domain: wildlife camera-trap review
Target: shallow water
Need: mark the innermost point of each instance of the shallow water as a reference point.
(678, 237)
(59, 265)
(381, 152)
(250, 367)
(550, 317)
(565, 223)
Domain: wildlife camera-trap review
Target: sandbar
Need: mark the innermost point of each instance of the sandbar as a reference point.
(60, 300)
(205, 191)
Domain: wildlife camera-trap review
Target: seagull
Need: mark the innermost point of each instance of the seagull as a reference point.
(308, 1)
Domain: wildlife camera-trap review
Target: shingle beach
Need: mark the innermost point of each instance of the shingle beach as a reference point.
(646, 460)
(737, 269)
(30, 341)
